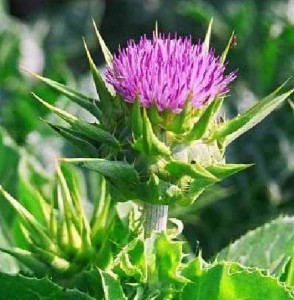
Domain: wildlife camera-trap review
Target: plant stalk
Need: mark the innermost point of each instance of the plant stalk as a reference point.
(155, 218)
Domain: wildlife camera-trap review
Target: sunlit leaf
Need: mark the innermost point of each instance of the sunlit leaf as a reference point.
(267, 247)
(231, 281)
(93, 131)
(111, 287)
(235, 127)
(107, 54)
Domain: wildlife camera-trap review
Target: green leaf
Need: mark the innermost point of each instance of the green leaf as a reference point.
(194, 269)
(208, 35)
(25, 288)
(149, 144)
(104, 94)
(131, 261)
(292, 105)
(81, 142)
(88, 282)
(28, 259)
(101, 205)
(69, 216)
(7, 263)
(31, 197)
(77, 97)
(168, 259)
(226, 170)
(115, 170)
(111, 287)
(107, 54)
(268, 247)
(94, 132)
(226, 51)
(189, 189)
(179, 169)
(232, 129)
(231, 281)
(10, 156)
(288, 276)
(200, 127)
(30, 222)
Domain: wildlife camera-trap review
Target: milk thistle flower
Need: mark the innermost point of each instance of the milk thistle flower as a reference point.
(166, 71)
(167, 146)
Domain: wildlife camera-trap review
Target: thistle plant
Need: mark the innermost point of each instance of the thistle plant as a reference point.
(158, 138)
(58, 238)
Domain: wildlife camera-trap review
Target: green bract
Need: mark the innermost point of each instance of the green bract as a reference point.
(163, 158)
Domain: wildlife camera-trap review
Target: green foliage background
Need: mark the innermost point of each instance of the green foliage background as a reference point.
(263, 56)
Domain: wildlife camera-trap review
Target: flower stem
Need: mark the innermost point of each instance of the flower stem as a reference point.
(155, 218)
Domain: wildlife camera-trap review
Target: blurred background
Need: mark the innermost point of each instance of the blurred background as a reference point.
(45, 36)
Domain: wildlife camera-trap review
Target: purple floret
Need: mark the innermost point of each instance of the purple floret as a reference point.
(167, 72)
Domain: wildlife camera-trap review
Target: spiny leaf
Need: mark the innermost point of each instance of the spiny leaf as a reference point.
(73, 180)
(231, 281)
(29, 221)
(71, 220)
(180, 169)
(131, 260)
(28, 259)
(168, 259)
(77, 97)
(102, 216)
(93, 131)
(107, 54)
(74, 137)
(104, 94)
(32, 199)
(226, 51)
(232, 129)
(226, 170)
(194, 268)
(58, 263)
(116, 170)
(111, 286)
(267, 247)
(20, 287)
(208, 35)
(99, 203)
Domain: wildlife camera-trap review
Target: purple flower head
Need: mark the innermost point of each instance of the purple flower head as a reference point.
(166, 72)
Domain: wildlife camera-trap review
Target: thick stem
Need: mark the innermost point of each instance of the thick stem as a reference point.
(155, 218)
